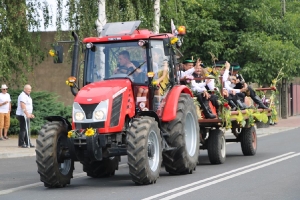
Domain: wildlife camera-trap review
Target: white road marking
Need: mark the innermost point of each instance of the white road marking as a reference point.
(7, 191)
(217, 176)
(228, 177)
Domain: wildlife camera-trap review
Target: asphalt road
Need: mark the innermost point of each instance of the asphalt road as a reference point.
(273, 173)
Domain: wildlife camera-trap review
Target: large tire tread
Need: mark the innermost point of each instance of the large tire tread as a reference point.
(137, 150)
(46, 155)
(215, 144)
(178, 161)
(248, 139)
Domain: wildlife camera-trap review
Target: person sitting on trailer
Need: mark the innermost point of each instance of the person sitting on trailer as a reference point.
(242, 85)
(200, 88)
(188, 69)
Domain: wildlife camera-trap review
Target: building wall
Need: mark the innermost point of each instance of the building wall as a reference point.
(49, 76)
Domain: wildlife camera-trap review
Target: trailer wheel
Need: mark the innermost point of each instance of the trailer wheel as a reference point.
(184, 136)
(103, 168)
(144, 150)
(248, 140)
(216, 147)
(54, 165)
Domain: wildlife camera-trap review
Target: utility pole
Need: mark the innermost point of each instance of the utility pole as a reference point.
(284, 85)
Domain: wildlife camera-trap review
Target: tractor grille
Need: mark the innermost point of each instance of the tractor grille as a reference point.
(116, 109)
(89, 125)
(89, 109)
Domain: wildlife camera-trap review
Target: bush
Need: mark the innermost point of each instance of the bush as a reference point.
(44, 104)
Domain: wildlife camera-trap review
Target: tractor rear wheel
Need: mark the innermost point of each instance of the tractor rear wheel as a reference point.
(216, 147)
(52, 155)
(248, 140)
(184, 136)
(103, 168)
(144, 150)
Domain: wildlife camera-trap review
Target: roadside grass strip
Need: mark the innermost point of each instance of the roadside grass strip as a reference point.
(221, 177)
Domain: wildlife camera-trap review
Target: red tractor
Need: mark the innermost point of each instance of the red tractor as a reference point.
(111, 118)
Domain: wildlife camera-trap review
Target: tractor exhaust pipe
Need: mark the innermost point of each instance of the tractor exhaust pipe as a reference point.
(75, 60)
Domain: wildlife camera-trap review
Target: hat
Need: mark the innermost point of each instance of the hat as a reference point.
(220, 64)
(188, 60)
(235, 66)
(4, 86)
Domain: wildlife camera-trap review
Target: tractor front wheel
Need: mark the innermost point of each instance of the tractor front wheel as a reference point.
(52, 155)
(144, 150)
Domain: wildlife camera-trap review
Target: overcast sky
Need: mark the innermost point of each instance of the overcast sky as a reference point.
(52, 12)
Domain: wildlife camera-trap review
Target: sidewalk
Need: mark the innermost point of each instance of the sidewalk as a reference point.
(9, 148)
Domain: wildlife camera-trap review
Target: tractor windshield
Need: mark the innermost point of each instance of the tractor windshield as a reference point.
(120, 60)
(115, 60)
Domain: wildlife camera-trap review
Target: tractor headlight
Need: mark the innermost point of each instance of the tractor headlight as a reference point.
(79, 116)
(100, 112)
(99, 115)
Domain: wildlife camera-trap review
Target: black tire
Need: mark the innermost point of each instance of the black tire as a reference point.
(51, 141)
(184, 136)
(216, 147)
(248, 140)
(103, 168)
(144, 150)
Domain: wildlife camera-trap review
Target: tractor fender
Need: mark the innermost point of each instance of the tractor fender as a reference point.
(60, 119)
(170, 108)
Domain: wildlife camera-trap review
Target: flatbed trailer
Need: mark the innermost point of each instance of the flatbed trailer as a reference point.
(212, 131)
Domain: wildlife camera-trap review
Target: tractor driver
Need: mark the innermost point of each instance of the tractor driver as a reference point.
(125, 65)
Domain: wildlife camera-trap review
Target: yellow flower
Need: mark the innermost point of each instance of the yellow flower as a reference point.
(174, 40)
(89, 132)
(154, 82)
(209, 69)
(215, 72)
(206, 75)
(52, 52)
(71, 134)
(69, 84)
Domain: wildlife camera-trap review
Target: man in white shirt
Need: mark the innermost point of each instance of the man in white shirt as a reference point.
(24, 114)
(5, 108)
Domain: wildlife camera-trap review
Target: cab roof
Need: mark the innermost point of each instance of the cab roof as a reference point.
(125, 31)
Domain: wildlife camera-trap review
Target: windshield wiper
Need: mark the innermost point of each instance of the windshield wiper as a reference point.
(136, 68)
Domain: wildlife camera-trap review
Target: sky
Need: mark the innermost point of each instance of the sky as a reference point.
(52, 12)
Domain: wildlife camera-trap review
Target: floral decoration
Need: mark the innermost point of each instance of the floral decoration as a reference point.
(240, 119)
(173, 40)
(71, 84)
(52, 52)
(90, 132)
(72, 134)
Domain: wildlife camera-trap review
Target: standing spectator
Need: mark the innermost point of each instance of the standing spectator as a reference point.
(5, 108)
(25, 108)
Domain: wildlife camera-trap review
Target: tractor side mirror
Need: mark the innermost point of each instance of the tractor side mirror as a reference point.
(59, 50)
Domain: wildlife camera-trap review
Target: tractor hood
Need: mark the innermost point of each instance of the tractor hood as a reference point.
(103, 90)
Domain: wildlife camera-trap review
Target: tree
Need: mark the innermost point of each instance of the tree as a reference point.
(19, 41)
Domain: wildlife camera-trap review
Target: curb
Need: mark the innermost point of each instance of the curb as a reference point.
(16, 155)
